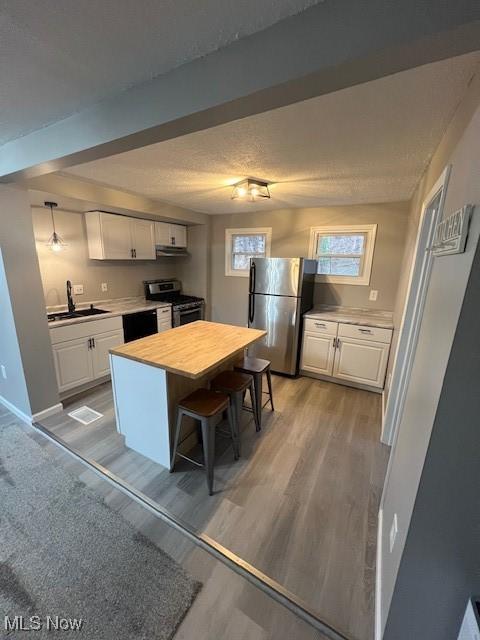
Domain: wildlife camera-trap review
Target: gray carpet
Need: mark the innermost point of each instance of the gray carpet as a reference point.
(64, 552)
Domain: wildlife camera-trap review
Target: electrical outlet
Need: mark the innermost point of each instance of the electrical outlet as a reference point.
(104, 286)
(78, 289)
(373, 294)
(393, 532)
(4, 372)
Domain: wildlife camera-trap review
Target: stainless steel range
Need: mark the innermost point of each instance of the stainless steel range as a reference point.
(185, 309)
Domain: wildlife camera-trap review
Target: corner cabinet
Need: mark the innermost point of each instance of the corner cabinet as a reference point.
(345, 353)
(80, 351)
(116, 237)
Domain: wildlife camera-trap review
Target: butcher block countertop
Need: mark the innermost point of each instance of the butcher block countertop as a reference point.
(192, 350)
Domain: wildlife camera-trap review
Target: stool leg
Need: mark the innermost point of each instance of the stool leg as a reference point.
(269, 382)
(177, 438)
(208, 436)
(258, 384)
(234, 431)
(251, 388)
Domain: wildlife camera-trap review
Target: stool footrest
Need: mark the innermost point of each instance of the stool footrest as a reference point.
(198, 464)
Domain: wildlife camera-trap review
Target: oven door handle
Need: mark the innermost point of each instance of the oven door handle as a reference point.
(186, 313)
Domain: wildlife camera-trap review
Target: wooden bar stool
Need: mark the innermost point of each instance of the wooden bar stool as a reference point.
(204, 405)
(256, 367)
(235, 384)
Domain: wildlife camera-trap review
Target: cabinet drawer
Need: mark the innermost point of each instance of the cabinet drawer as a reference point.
(321, 326)
(85, 329)
(364, 333)
(164, 312)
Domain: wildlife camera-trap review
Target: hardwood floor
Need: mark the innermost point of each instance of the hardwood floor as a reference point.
(300, 505)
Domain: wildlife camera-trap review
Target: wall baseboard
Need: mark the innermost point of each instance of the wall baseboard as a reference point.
(15, 410)
(46, 413)
(378, 579)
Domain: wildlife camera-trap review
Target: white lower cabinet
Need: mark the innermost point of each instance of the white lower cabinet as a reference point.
(164, 319)
(318, 353)
(361, 361)
(100, 351)
(73, 363)
(80, 351)
(350, 353)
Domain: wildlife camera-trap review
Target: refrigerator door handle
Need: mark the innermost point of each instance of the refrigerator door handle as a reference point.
(251, 307)
(251, 283)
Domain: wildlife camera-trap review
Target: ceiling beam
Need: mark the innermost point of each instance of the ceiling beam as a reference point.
(112, 199)
(333, 45)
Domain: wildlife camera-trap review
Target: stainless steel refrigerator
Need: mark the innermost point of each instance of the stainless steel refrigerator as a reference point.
(280, 292)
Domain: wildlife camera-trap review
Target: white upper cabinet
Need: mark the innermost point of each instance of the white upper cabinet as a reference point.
(143, 239)
(178, 235)
(170, 235)
(115, 237)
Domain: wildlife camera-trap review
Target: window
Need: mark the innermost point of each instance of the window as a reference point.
(344, 253)
(243, 244)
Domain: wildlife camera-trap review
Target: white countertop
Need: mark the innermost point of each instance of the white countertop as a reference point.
(351, 315)
(116, 307)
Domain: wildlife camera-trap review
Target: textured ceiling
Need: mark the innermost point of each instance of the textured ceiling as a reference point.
(369, 143)
(59, 57)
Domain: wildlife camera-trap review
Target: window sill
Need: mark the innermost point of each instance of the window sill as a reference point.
(355, 280)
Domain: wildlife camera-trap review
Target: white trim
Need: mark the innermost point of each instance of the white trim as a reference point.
(413, 310)
(228, 247)
(46, 413)
(11, 407)
(378, 578)
(369, 229)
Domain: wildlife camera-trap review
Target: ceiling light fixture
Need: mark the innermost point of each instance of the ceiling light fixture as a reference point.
(55, 243)
(250, 189)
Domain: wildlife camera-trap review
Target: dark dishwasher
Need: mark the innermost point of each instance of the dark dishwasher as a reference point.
(140, 324)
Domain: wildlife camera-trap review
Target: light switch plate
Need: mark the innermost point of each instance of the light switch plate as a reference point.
(373, 294)
(104, 286)
(78, 289)
(4, 372)
(393, 531)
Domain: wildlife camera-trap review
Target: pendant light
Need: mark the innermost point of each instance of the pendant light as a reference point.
(56, 244)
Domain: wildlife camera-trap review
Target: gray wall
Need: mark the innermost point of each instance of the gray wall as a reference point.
(440, 566)
(291, 236)
(124, 278)
(27, 305)
(14, 388)
(443, 303)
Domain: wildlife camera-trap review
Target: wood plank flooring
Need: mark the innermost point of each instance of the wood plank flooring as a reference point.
(301, 504)
(227, 607)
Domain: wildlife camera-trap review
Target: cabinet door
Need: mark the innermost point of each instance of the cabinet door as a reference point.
(162, 233)
(178, 235)
(317, 353)
(361, 361)
(143, 239)
(101, 344)
(116, 237)
(164, 326)
(73, 363)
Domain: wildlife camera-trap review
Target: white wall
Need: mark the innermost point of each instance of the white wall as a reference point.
(444, 300)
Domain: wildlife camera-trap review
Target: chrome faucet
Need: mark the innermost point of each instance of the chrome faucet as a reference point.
(71, 304)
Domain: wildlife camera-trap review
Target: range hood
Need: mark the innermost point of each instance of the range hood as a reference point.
(168, 250)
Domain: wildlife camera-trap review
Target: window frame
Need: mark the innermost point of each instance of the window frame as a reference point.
(370, 231)
(229, 233)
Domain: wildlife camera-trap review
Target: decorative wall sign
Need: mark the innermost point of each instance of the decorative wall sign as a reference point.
(451, 233)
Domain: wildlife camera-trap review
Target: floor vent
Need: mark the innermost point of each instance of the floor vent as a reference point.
(85, 415)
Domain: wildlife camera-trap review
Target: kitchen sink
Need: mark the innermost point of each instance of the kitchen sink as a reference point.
(91, 311)
(81, 313)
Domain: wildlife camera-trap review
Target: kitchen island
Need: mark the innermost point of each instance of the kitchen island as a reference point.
(151, 375)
